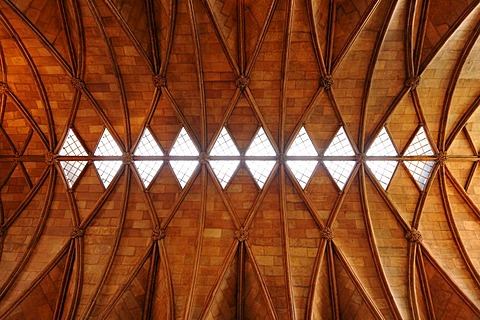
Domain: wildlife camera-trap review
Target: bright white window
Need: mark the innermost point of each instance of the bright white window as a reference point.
(224, 146)
(260, 169)
(420, 170)
(381, 169)
(340, 170)
(147, 146)
(302, 146)
(107, 169)
(72, 147)
(183, 146)
(72, 170)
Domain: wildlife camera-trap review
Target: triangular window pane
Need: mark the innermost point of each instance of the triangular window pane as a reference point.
(224, 170)
(183, 170)
(302, 145)
(147, 170)
(382, 145)
(224, 146)
(107, 146)
(72, 146)
(419, 145)
(260, 170)
(148, 146)
(340, 145)
(107, 170)
(383, 171)
(184, 145)
(302, 170)
(420, 171)
(260, 145)
(72, 170)
(340, 171)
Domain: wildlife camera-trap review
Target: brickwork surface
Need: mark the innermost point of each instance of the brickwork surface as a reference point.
(166, 249)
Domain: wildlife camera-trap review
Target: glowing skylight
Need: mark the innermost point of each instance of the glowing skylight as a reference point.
(382, 145)
(184, 145)
(183, 170)
(420, 146)
(340, 145)
(260, 170)
(147, 146)
(340, 170)
(382, 170)
(107, 169)
(224, 146)
(260, 146)
(420, 171)
(107, 146)
(224, 170)
(302, 145)
(302, 170)
(72, 146)
(147, 169)
(72, 170)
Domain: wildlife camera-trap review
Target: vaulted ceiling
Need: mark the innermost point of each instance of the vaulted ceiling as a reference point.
(197, 239)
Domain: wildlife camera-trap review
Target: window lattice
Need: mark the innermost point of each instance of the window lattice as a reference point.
(420, 171)
(107, 146)
(340, 171)
(382, 145)
(147, 145)
(184, 145)
(260, 170)
(147, 169)
(107, 170)
(383, 171)
(72, 170)
(419, 145)
(224, 170)
(302, 170)
(224, 146)
(72, 146)
(340, 145)
(260, 145)
(302, 145)
(183, 170)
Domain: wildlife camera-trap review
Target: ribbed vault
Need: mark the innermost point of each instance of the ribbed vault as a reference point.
(145, 169)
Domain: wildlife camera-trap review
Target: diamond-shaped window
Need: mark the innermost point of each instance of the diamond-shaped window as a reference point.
(107, 169)
(148, 146)
(302, 146)
(420, 146)
(72, 147)
(340, 170)
(224, 169)
(183, 146)
(382, 169)
(260, 146)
